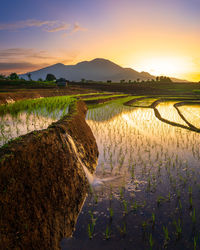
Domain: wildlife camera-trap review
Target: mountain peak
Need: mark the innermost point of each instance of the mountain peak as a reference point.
(98, 69)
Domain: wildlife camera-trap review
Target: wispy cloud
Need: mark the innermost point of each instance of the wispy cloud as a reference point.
(77, 27)
(58, 27)
(21, 60)
(21, 53)
(16, 66)
(49, 26)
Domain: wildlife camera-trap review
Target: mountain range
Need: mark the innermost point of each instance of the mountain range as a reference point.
(97, 70)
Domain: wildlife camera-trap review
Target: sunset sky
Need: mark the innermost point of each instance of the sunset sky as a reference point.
(161, 37)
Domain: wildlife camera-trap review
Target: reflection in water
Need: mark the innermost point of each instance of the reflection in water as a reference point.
(136, 137)
(167, 111)
(158, 162)
(25, 122)
(191, 113)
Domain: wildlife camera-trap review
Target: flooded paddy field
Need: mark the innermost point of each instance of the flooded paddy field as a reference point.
(146, 188)
(23, 117)
(150, 172)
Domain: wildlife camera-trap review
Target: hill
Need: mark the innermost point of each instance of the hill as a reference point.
(97, 70)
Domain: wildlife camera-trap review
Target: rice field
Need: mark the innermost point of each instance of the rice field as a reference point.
(151, 197)
(149, 167)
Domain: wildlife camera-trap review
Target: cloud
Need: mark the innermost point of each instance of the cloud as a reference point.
(21, 53)
(21, 60)
(49, 26)
(59, 27)
(17, 66)
(77, 28)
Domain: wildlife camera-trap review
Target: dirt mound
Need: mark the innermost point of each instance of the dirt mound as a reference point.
(42, 184)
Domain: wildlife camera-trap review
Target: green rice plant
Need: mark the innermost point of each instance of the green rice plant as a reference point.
(178, 194)
(90, 231)
(125, 207)
(96, 198)
(123, 229)
(148, 184)
(195, 242)
(121, 193)
(169, 196)
(166, 234)
(151, 242)
(180, 204)
(132, 172)
(107, 233)
(190, 202)
(153, 219)
(111, 212)
(144, 225)
(178, 228)
(91, 225)
(190, 190)
(160, 199)
(193, 216)
(135, 206)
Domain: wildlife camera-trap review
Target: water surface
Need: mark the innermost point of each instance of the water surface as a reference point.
(155, 167)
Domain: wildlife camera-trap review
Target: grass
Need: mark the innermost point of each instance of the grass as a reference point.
(50, 104)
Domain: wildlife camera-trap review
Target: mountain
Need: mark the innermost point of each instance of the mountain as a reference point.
(97, 70)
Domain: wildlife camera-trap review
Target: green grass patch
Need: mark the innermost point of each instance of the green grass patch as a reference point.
(50, 104)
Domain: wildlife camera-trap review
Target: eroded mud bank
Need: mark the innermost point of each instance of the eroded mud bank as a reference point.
(43, 185)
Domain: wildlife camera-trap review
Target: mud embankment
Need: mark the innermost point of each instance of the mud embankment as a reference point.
(43, 185)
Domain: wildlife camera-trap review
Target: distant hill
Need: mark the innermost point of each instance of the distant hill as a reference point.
(97, 70)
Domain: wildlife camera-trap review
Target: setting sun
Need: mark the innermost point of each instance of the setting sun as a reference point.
(164, 66)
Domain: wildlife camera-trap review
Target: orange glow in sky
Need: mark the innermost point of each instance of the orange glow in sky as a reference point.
(160, 37)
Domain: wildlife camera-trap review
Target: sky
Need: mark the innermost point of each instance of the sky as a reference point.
(161, 37)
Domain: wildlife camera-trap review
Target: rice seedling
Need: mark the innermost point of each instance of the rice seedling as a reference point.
(195, 242)
(193, 216)
(125, 207)
(111, 212)
(166, 235)
(123, 229)
(178, 228)
(151, 241)
(153, 219)
(107, 233)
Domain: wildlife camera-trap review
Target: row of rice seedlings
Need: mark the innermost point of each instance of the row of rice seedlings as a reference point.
(24, 116)
(159, 161)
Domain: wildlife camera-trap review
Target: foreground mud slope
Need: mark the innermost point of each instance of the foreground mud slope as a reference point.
(42, 184)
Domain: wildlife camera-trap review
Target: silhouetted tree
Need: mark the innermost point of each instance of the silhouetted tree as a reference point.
(2, 77)
(13, 76)
(50, 77)
(163, 79)
(61, 80)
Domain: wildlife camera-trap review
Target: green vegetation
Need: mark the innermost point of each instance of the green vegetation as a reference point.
(50, 104)
(50, 78)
